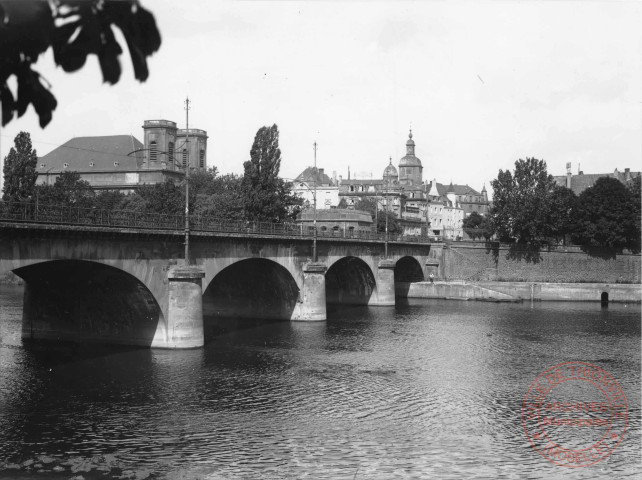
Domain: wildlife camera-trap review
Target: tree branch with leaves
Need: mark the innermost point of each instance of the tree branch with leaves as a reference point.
(74, 29)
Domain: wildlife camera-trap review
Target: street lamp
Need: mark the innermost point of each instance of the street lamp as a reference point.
(314, 196)
(385, 254)
(187, 181)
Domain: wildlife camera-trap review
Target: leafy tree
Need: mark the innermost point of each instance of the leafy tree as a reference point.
(487, 228)
(366, 204)
(20, 169)
(606, 217)
(68, 190)
(267, 197)
(109, 200)
(472, 225)
(394, 226)
(521, 202)
(342, 203)
(636, 207)
(369, 205)
(132, 202)
(225, 202)
(203, 182)
(74, 29)
(166, 197)
(562, 214)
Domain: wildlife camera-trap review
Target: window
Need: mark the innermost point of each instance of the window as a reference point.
(184, 158)
(170, 151)
(201, 158)
(42, 165)
(66, 165)
(153, 151)
(91, 164)
(116, 164)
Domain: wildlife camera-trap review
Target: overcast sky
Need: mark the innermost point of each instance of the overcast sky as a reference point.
(481, 83)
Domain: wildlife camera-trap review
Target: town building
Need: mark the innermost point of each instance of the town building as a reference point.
(340, 222)
(422, 208)
(313, 181)
(122, 162)
(445, 213)
(580, 182)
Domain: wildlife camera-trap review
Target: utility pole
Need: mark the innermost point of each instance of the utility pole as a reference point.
(187, 182)
(385, 253)
(316, 175)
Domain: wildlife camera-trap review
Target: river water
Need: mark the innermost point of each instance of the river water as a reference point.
(426, 389)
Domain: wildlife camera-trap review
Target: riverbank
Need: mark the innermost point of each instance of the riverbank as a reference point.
(520, 291)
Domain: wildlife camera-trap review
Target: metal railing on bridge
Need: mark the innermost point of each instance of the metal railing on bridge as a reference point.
(25, 212)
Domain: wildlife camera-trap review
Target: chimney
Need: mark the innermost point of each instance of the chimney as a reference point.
(568, 175)
(320, 171)
(627, 174)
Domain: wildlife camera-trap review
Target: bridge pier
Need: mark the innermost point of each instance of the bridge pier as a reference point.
(184, 326)
(385, 293)
(311, 306)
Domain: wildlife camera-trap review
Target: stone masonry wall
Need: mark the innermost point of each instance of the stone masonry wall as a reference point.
(478, 262)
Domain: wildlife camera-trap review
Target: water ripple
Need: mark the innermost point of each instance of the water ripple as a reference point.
(431, 391)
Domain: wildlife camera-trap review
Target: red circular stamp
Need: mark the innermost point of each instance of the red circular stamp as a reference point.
(574, 414)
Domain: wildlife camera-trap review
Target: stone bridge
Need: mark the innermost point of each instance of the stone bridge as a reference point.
(128, 286)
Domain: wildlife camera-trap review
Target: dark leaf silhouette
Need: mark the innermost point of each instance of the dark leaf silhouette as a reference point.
(74, 29)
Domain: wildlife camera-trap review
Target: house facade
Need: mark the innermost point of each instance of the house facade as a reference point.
(314, 181)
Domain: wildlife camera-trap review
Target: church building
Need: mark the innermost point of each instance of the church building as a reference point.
(122, 162)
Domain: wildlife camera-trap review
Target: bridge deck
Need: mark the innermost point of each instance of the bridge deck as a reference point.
(59, 218)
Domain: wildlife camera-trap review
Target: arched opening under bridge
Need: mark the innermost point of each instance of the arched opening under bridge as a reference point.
(349, 281)
(407, 271)
(83, 301)
(255, 288)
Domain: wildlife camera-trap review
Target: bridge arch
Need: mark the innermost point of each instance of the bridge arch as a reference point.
(78, 300)
(256, 288)
(349, 280)
(408, 269)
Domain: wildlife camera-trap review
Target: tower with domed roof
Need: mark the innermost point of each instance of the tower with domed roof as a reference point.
(390, 175)
(410, 168)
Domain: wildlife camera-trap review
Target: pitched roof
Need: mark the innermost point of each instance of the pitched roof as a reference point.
(113, 152)
(458, 189)
(309, 175)
(581, 182)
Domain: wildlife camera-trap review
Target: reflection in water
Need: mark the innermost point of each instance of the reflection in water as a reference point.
(426, 389)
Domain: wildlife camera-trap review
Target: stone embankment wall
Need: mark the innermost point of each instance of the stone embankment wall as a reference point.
(478, 262)
(581, 292)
